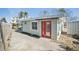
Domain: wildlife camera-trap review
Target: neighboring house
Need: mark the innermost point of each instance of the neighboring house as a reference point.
(49, 26)
(73, 27)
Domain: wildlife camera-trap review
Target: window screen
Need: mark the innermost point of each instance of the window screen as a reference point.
(34, 25)
(47, 27)
(25, 22)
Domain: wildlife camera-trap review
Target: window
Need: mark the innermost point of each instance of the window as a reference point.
(25, 22)
(34, 25)
(47, 27)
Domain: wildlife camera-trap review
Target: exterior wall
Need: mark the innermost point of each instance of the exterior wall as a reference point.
(28, 28)
(73, 28)
(54, 29)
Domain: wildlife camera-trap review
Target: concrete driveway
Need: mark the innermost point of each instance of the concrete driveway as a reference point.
(24, 42)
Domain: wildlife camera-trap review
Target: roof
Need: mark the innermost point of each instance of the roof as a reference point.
(75, 19)
(47, 17)
(40, 18)
(27, 19)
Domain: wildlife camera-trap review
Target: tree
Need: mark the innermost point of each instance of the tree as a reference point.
(3, 20)
(63, 12)
(23, 14)
(26, 14)
(44, 13)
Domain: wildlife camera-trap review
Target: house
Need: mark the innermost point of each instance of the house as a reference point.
(73, 27)
(48, 26)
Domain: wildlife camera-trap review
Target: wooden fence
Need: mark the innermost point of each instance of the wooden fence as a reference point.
(6, 32)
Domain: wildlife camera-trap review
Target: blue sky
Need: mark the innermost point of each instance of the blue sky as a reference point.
(33, 12)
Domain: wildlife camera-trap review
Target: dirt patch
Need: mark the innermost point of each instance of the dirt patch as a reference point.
(71, 43)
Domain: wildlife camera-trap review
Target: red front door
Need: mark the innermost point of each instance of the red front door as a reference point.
(46, 29)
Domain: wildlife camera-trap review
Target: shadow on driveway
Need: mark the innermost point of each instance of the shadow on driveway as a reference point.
(32, 35)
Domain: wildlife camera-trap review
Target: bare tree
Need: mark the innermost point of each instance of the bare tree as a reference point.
(3, 19)
(63, 12)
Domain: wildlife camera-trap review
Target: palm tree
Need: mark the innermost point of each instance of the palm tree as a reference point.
(43, 13)
(26, 14)
(20, 14)
(23, 14)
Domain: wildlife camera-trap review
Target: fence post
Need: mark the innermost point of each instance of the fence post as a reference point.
(1, 33)
(6, 31)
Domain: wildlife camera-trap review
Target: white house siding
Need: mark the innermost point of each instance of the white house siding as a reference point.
(28, 27)
(73, 28)
(70, 29)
